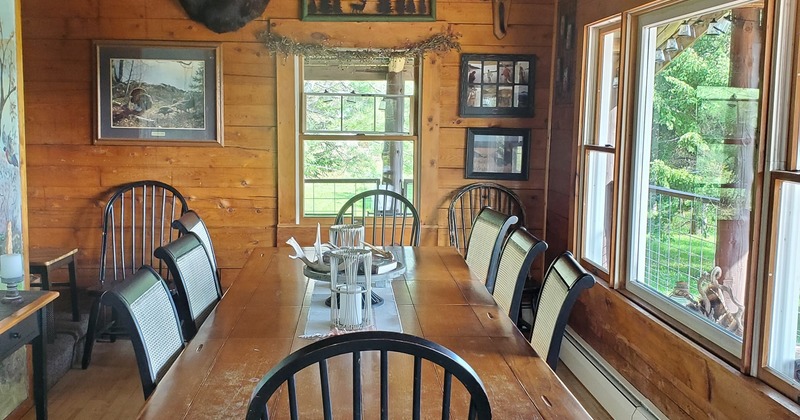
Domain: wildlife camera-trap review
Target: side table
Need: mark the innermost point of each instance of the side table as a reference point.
(44, 260)
(22, 323)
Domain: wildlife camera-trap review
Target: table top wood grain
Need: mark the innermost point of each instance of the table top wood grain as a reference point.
(259, 319)
(13, 313)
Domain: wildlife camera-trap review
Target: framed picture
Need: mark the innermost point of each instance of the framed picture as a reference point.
(158, 93)
(366, 10)
(497, 153)
(497, 85)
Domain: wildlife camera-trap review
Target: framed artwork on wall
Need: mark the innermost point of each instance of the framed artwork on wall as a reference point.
(158, 93)
(496, 85)
(497, 153)
(368, 10)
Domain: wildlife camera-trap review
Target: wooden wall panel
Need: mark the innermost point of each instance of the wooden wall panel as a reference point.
(234, 187)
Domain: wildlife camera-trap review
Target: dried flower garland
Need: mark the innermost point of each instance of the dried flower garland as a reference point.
(440, 43)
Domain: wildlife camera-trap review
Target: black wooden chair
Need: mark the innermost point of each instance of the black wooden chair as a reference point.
(564, 282)
(191, 222)
(144, 306)
(467, 203)
(137, 219)
(388, 211)
(487, 236)
(195, 280)
(370, 341)
(519, 251)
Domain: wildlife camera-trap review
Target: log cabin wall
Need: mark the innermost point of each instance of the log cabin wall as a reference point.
(232, 187)
(682, 379)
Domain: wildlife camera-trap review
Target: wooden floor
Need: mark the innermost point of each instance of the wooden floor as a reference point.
(110, 388)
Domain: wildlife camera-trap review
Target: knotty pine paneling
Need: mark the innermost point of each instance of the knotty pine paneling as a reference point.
(233, 187)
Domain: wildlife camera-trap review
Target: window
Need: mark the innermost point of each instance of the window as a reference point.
(697, 199)
(780, 365)
(696, 125)
(357, 131)
(599, 131)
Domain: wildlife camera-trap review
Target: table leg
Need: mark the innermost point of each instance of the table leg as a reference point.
(50, 319)
(40, 366)
(73, 290)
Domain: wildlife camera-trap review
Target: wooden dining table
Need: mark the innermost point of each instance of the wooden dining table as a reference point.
(262, 314)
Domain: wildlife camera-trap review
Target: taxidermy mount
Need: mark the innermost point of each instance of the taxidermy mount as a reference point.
(224, 15)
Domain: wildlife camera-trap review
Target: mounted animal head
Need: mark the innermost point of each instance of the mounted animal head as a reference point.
(224, 15)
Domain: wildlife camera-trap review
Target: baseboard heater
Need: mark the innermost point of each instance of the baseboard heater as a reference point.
(617, 396)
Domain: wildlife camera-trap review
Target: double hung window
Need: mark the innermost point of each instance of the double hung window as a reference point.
(358, 130)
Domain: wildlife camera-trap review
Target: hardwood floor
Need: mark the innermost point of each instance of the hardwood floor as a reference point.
(109, 389)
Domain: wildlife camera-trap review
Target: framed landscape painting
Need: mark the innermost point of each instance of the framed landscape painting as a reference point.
(366, 10)
(497, 153)
(158, 93)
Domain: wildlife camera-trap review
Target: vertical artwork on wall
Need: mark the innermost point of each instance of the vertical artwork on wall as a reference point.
(564, 87)
(14, 369)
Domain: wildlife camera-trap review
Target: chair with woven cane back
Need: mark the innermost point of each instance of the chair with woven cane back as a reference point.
(486, 241)
(145, 309)
(519, 251)
(564, 282)
(137, 219)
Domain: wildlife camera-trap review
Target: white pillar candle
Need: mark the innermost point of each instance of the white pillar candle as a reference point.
(11, 266)
(350, 311)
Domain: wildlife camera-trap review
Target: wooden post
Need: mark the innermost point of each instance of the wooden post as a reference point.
(733, 227)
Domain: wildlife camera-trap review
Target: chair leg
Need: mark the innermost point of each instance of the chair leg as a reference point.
(90, 333)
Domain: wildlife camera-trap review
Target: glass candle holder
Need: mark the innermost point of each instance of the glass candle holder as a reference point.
(351, 289)
(347, 235)
(11, 274)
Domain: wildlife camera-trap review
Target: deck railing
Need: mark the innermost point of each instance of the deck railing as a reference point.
(324, 197)
(681, 238)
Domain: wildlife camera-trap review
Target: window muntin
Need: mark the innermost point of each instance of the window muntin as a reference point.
(599, 139)
(696, 125)
(358, 131)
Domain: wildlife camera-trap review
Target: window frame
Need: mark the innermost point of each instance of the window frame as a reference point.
(286, 131)
(588, 130)
(722, 343)
(782, 165)
(303, 136)
(764, 371)
(777, 161)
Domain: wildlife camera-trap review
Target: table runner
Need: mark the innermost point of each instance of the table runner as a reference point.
(318, 324)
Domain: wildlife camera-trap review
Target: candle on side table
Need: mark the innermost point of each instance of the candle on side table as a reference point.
(11, 274)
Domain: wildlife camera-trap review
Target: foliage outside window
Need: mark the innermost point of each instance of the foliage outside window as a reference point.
(695, 141)
(358, 130)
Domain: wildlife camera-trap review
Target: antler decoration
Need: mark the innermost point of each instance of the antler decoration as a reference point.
(501, 10)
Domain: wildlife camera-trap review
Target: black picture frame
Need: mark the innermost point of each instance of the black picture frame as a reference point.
(497, 85)
(368, 10)
(497, 153)
(158, 93)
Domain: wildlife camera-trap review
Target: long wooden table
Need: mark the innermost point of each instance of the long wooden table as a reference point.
(259, 319)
